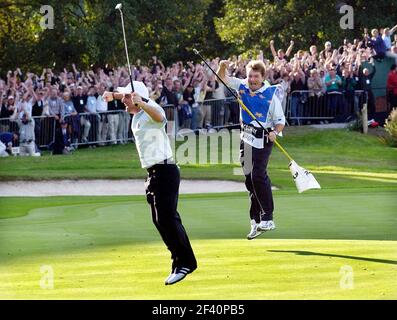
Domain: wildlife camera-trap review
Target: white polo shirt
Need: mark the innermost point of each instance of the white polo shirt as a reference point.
(101, 105)
(151, 140)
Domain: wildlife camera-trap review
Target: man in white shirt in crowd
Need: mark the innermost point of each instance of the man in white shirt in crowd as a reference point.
(222, 109)
(91, 108)
(387, 33)
(101, 109)
(27, 146)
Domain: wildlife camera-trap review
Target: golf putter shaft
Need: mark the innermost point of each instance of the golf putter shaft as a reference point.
(119, 7)
(243, 105)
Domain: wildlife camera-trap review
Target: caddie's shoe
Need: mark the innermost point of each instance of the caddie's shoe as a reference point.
(177, 275)
(266, 225)
(254, 232)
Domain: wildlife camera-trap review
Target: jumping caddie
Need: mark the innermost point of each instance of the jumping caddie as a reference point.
(263, 100)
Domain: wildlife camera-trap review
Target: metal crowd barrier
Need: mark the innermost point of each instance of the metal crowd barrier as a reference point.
(224, 113)
(113, 127)
(340, 106)
(213, 113)
(44, 129)
(108, 127)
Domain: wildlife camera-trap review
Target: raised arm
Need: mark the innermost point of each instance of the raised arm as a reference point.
(75, 70)
(274, 53)
(14, 116)
(152, 111)
(392, 30)
(221, 72)
(33, 93)
(188, 80)
(289, 50)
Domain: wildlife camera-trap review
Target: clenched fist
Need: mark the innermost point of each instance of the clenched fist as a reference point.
(107, 96)
(224, 64)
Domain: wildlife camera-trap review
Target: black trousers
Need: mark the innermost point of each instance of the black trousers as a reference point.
(254, 162)
(162, 190)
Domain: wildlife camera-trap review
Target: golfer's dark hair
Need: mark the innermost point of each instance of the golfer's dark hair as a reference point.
(257, 66)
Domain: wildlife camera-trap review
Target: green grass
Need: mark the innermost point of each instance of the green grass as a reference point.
(107, 247)
(339, 159)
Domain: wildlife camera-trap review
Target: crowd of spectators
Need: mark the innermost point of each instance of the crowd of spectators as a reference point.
(74, 97)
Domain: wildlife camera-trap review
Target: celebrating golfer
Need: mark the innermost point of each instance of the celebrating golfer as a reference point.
(162, 182)
(256, 144)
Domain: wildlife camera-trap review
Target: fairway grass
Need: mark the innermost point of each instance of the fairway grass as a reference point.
(228, 269)
(107, 248)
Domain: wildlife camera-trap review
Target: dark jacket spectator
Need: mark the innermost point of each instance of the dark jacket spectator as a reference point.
(80, 101)
(188, 95)
(379, 46)
(365, 78)
(168, 96)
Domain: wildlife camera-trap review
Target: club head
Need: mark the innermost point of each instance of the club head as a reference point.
(119, 6)
(195, 51)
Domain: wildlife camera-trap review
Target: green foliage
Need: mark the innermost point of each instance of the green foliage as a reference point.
(391, 128)
(251, 25)
(108, 248)
(88, 32)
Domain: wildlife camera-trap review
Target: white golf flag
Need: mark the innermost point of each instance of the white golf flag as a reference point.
(304, 180)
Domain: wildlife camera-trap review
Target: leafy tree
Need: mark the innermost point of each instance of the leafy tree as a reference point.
(252, 24)
(88, 32)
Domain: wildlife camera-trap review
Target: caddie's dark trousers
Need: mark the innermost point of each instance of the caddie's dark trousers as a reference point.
(162, 189)
(254, 162)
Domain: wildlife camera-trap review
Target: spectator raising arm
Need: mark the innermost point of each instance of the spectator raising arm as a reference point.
(289, 50)
(221, 72)
(14, 116)
(188, 81)
(274, 53)
(76, 73)
(394, 29)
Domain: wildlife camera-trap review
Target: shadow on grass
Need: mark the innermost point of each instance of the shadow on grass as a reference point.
(310, 253)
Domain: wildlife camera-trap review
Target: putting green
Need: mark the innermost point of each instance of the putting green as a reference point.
(327, 245)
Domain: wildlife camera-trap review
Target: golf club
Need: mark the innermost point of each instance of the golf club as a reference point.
(304, 180)
(119, 7)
